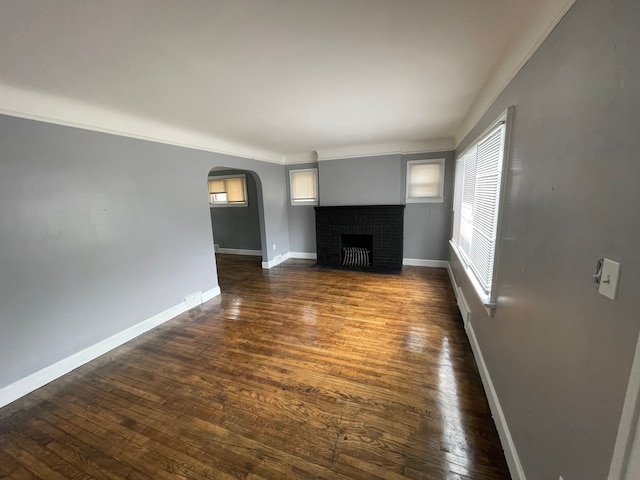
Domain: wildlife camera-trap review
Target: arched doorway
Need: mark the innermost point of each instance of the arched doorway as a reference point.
(237, 212)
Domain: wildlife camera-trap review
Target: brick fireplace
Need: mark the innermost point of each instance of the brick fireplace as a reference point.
(374, 229)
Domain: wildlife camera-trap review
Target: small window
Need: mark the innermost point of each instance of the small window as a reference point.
(228, 191)
(304, 186)
(425, 181)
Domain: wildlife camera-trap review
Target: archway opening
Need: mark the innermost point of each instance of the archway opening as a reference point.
(237, 213)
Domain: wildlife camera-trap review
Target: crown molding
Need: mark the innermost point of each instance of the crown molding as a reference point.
(393, 148)
(545, 15)
(37, 105)
(299, 158)
(22, 103)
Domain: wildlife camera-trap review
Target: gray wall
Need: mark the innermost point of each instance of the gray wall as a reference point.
(427, 226)
(560, 354)
(100, 232)
(302, 218)
(238, 227)
(361, 181)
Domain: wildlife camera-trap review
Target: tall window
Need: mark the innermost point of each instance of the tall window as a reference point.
(304, 186)
(425, 181)
(479, 179)
(228, 191)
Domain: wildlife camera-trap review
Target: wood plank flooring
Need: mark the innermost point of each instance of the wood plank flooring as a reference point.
(293, 373)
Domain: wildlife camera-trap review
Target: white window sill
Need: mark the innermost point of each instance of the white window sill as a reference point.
(304, 204)
(425, 200)
(486, 300)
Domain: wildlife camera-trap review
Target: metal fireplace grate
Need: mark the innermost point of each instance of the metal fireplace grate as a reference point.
(355, 257)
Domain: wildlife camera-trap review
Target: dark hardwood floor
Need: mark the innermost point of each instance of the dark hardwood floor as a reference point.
(293, 373)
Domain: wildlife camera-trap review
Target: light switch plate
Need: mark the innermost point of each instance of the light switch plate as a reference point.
(609, 279)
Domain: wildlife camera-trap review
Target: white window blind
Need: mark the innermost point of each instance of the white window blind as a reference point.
(235, 189)
(425, 180)
(304, 186)
(228, 190)
(476, 206)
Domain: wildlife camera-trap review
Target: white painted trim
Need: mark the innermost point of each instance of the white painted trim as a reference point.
(454, 284)
(209, 294)
(629, 423)
(31, 104)
(240, 251)
(276, 261)
(546, 15)
(32, 382)
(463, 306)
(489, 307)
(461, 301)
(44, 107)
(510, 452)
(434, 145)
(374, 150)
(419, 262)
(300, 158)
(23, 103)
(307, 255)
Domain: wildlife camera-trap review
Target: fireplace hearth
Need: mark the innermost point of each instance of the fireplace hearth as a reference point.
(363, 237)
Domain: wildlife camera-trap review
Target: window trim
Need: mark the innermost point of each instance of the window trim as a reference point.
(224, 177)
(302, 202)
(425, 161)
(489, 300)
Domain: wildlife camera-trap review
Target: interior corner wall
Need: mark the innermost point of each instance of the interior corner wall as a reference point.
(427, 226)
(558, 353)
(302, 218)
(238, 227)
(100, 232)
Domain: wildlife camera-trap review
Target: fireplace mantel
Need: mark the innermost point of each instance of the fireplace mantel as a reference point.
(384, 223)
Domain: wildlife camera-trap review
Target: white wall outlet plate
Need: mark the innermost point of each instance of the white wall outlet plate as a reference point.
(609, 278)
(193, 300)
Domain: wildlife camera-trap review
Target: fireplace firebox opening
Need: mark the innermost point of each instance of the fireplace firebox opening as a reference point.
(357, 250)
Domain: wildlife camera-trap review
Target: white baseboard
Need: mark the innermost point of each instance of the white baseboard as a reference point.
(32, 382)
(239, 251)
(419, 262)
(209, 294)
(306, 255)
(510, 453)
(276, 261)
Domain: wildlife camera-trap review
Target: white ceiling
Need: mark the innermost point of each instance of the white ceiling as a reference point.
(275, 80)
